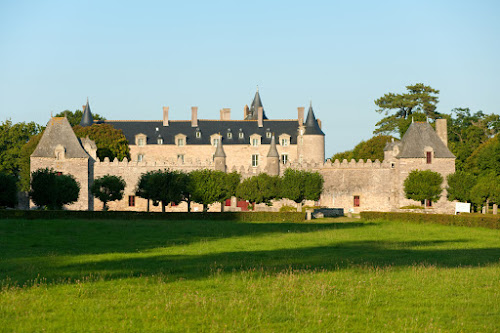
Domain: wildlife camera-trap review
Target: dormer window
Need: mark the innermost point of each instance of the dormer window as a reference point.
(215, 139)
(284, 140)
(180, 140)
(140, 139)
(216, 142)
(159, 140)
(198, 133)
(268, 133)
(229, 134)
(241, 135)
(255, 140)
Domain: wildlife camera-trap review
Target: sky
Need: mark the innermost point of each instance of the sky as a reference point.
(131, 58)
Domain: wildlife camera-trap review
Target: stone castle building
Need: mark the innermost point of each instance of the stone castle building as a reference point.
(249, 146)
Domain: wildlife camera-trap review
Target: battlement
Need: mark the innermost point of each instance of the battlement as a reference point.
(353, 164)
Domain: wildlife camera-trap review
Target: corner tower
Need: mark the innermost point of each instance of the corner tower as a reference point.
(87, 119)
(273, 159)
(220, 157)
(313, 139)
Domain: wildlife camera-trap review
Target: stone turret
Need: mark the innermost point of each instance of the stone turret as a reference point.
(273, 159)
(253, 113)
(313, 139)
(220, 157)
(87, 119)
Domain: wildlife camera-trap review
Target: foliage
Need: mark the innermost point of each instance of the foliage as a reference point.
(465, 220)
(423, 185)
(372, 149)
(419, 98)
(285, 208)
(259, 189)
(412, 207)
(108, 188)
(467, 131)
(209, 186)
(345, 155)
(459, 187)
(8, 191)
(163, 186)
(52, 191)
(110, 142)
(299, 185)
(486, 158)
(24, 161)
(486, 190)
(12, 138)
(74, 118)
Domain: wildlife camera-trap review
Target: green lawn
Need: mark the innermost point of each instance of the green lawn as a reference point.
(333, 275)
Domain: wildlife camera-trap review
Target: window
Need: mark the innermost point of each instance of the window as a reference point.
(284, 142)
(131, 200)
(241, 135)
(227, 203)
(173, 204)
(160, 141)
(356, 201)
(229, 135)
(393, 165)
(255, 142)
(428, 203)
(284, 158)
(140, 157)
(180, 142)
(215, 142)
(180, 158)
(140, 142)
(198, 134)
(255, 160)
(429, 157)
(268, 134)
(59, 173)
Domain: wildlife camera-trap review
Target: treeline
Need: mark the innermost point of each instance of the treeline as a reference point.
(52, 190)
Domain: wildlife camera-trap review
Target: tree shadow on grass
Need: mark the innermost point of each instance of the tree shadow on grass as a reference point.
(335, 257)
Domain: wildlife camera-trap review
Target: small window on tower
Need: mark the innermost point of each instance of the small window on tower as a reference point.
(429, 157)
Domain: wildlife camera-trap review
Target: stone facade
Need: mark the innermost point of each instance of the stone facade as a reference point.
(352, 185)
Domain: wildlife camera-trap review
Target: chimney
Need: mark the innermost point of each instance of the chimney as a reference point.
(165, 116)
(300, 117)
(442, 130)
(260, 118)
(319, 123)
(194, 116)
(225, 114)
(245, 112)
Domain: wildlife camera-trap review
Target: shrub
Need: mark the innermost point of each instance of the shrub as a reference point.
(53, 191)
(108, 188)
(8, 191)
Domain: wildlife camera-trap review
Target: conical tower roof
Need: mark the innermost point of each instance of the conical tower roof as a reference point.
(273, 152)
(311, 123)
(87, 119)
(254, 108)
(219, 152)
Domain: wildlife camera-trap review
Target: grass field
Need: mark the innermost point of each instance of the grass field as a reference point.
(189, 276)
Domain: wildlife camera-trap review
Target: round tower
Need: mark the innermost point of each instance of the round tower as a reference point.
(273, 159)
(220, 157)
(313, 140)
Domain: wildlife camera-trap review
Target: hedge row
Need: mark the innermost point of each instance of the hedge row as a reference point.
(122, 215)
(466, 220)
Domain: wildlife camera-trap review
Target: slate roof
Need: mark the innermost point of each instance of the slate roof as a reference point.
(207, 127)
(59, 131)
(418, 136)
(87, 119)
(311, 123)
(254, 108)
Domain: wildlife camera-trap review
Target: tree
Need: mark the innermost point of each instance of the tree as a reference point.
(423, 185)
(486, 158)
(145, 187)
(231, 183)
(259, 189)
(108, 188)
(12, 139)
(110, 142)
(487, 190)
(24, 161)
(8, 191)
(74, 118)
(163, 186)
(209, 186)
(345, 155)
(419, 99)
(53, 191)
(459, 187)
(298, 185)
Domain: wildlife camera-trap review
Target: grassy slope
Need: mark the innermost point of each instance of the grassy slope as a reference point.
(225, 276)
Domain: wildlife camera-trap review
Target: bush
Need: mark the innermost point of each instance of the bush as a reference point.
(412, 207)
(466, 220)
(171, 216)
(53, 191)
(8, 191)
(286, 208)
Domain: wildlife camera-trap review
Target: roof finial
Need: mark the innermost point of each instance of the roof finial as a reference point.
(87, 99)
(257, 88)
(310, 103)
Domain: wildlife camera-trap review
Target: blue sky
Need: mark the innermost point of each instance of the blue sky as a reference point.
(132, 58)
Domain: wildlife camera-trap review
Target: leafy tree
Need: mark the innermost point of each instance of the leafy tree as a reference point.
(12, 139)
(53, 191)
(423, 185)
(467, 131)
(486, 158)
(209, 186)
(110, 142)
(163, 186)
(345, 155)
(24, 161)
(299, 185)
(419, 98)
(259, 189)
(74, 118)
(145, 187)
(108, 188)
(231, 183)
(372, 149)
(8, 191)
(459, 187)
(487, 190)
